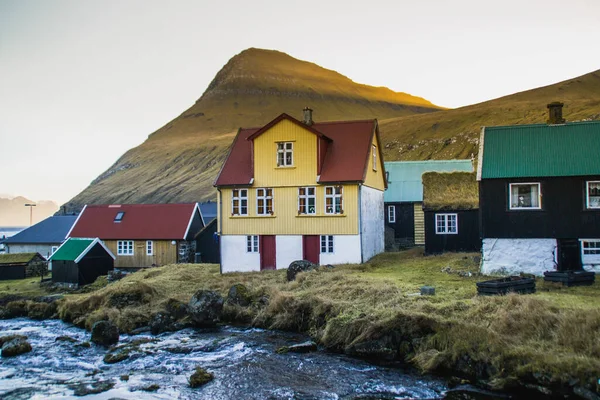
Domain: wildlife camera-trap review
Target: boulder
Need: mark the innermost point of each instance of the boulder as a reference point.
(239, 295)
(118, 356)
(5, 339)
(161, 322)
(305, 347)
(105, 333)
(15, 347)
(176, 308)
(206, 307)
(299, 266)
(200, 377)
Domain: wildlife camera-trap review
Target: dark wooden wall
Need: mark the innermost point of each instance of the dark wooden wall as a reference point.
(404, 227)
(94, 264)
(195, 226)
(563, 213)
(467, 238)
(207, 245)
(12, 272)
(65, 272)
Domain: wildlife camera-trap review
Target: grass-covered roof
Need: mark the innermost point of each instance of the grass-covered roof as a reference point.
(450, 191)
(16, 258)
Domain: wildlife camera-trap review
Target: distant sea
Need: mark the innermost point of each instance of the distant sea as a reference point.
(8, 231)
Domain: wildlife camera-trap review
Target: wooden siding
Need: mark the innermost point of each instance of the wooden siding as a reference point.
(304, 169)
(419, 224)
(164, 253)
(286, 219)
(375, 179)
(467, 238)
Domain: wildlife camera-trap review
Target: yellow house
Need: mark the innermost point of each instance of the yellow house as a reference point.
(294, 190)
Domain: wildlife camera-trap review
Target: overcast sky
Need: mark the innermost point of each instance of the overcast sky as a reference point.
(81, 82)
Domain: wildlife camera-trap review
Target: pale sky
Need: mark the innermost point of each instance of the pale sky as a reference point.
(81, 82)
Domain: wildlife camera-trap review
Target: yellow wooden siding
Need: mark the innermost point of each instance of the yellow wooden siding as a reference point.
(304, 169)
(164, 253)
(286, 220)
(375, 178)
(419, 224)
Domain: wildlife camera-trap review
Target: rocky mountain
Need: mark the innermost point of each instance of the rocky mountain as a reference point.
(13, 211)
(455, 133)
(179, 161)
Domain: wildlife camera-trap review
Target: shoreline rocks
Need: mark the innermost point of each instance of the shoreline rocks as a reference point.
(206, 308)
(105, 333)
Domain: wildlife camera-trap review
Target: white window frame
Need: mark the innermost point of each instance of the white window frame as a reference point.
(306, 196)
(591, 255)
(587, 195)
(539, 188)
(53, 249)
(263, 194)
(149, 248)
(374, 149)
(391, 214)
(125, 247)
(242, 198)
(444, 229)
(252, 244)
(283, 149)
(327, 244)
(333, 196)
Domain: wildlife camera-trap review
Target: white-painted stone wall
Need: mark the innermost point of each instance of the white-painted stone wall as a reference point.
(44, 249)
(513, 256)
(371, 224)
(346, 250)
(235, 258)
(288, 248)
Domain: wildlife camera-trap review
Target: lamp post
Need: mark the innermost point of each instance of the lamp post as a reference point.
(30, 205)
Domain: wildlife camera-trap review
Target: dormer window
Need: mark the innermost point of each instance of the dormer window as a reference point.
(285, 154)
(119, 216)
(374, 150)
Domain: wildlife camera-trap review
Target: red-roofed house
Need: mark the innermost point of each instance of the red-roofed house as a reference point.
(142, 235)
(296, 190)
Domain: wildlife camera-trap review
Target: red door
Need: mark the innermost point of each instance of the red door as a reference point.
(267, 252)
(311, 248)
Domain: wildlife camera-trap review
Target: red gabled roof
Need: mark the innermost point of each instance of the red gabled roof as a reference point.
(140, 221)
(348, 150)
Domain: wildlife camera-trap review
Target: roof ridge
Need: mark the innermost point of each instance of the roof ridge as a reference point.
(541, 125)
(345, 121)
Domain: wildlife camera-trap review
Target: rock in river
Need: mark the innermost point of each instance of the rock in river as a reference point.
(206, 307)
(105, 333)
(15, 347)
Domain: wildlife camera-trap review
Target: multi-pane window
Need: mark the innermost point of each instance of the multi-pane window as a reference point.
(264, 201)
(149, 247)
(125, 247)
(525, 196)
(326, 244)
(239, 202)
(333, 200)
(391, 214)
(307, 200)
(252, 244)
(374, 150)
(285, 154)
(446, 224)
(593, 194)
(590, 247)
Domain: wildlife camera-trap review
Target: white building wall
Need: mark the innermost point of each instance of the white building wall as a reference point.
(346, 250)
(288, 248)
(513, 256)
(44, 249)
(371, 223)
(235, 258)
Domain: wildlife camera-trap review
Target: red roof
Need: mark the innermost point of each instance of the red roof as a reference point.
(139, 221)
(346, 160)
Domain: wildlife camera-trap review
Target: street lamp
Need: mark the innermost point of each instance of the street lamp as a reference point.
(30, 205)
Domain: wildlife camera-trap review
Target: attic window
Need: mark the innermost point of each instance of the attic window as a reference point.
(374, 158)
(119, 216)
(285, 154)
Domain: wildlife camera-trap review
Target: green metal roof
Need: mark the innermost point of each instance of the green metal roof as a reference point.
(405, 182)
(526, 151)
(71, 249)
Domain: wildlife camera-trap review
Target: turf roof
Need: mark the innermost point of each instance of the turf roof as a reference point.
(450, 191)
(17, 258)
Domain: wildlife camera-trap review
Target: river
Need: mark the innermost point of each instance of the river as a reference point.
(243, 361)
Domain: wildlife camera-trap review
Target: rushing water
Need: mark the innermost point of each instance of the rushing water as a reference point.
(243, 361)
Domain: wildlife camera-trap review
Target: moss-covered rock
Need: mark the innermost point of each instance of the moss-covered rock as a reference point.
(15, 347)
(15, 309)
(4, 339)
(105, 333)
(113, 358)
(200, 377)
(206, 308)
(41, 311)
(239, 295)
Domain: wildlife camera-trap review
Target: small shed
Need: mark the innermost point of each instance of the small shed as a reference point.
(79, 261)
(207, 244)
(21, 265)
(451, 208)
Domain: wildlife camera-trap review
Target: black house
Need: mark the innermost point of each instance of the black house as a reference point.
(207, 244)
(450, 205)
(539, 191)
(21, 265)
(80, 261)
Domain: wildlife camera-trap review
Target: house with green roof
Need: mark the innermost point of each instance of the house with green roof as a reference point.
(79, 261)
(403, 199)
(539, 191)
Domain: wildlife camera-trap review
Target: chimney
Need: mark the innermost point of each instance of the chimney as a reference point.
(308, 116)
(555, 113)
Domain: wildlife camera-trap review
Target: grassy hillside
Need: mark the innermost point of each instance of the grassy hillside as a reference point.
(179, 161)
(455, 133)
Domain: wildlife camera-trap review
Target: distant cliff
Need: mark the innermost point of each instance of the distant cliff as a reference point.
(13, 212)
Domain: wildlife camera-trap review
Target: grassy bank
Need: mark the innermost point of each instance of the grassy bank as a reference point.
(549, 338)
